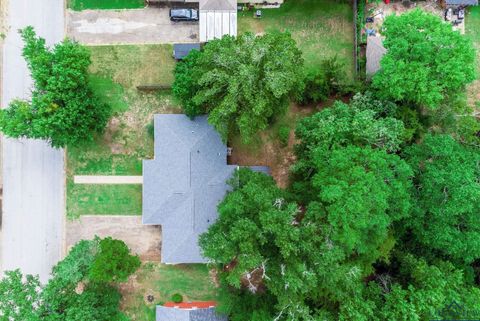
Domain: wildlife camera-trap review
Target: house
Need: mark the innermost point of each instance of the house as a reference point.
(375, 53)
(190, 311)
(180, 50)
(184, 183)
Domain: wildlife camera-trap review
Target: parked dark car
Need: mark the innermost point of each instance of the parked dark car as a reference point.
(183, 15)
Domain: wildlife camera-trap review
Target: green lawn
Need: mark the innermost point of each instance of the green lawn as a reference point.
(105, 4)
(115, 73)
(322, 28)
(103, 200)
(162, 281)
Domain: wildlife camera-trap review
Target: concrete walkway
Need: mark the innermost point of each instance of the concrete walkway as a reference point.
(144, 240)
(108, 179)
(137, 26)
(33, 172)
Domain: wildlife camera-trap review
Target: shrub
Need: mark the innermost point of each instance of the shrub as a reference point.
(177, 298)
(284, 134)
(329, 80)
(151, 130)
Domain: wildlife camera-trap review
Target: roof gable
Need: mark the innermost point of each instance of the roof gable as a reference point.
(218, 5)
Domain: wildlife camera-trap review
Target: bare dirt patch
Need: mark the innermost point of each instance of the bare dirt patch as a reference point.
(267, 150)
(143, 240)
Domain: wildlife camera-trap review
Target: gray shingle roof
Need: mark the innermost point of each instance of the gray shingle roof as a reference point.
(175, 314)
(180, 50)
(184, 183)
(375, 53)
(462, 2)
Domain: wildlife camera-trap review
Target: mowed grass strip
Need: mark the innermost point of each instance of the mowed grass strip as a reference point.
(321, 28)
(192, 281)
(105, 4)
(133, 65)
(103, 200)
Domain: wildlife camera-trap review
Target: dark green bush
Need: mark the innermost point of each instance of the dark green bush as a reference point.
(284, 134)
(328, 81)
(151, 130)
(177, 298)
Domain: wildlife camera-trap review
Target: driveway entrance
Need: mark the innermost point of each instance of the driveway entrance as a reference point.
(137, 26)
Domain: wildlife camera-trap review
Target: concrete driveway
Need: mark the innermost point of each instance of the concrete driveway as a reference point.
(33, 172)
(138, 26)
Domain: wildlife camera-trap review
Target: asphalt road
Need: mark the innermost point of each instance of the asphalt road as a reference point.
(33, 172)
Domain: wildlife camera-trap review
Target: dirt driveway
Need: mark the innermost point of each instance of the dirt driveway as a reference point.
(144, 240)
(137, 26)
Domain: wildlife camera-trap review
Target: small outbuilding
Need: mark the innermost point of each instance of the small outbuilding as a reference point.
(188, 311)
(180, 50)
(375, 53)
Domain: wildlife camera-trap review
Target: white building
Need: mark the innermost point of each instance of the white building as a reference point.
(217, 19)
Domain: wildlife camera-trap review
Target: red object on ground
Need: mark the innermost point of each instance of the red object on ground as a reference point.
(386, 1)
(191, 305)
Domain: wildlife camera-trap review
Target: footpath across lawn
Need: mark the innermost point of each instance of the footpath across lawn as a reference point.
(105, 4)
(322, 28)
(116, 71)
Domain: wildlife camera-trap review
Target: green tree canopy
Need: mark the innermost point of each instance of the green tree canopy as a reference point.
(267, 253)
(447, 197)
(242, 83)
(268, 248)
(63, 109)
(366, 121)
(360, 193)
(19, 297)
(72, 294)
(113, 262)
(426, 60)
(420, 291)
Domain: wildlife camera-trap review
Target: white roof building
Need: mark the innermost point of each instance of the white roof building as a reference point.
(217, 19)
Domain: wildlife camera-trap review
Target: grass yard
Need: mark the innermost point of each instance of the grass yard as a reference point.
(473, 30)
(103, 200)
(115, 73)
(104, 4)
(322, 28)
(161, 281)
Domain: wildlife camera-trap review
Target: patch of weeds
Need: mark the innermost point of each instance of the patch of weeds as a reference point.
(283, 134)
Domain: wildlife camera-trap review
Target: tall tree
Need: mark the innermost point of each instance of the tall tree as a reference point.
(19, 297)
(419, 291)
(361, 192)
(366, 121)
(63, 109)
(113, 262)
(426, 60)
(447, 197)
(72, 294)
(241, 83)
